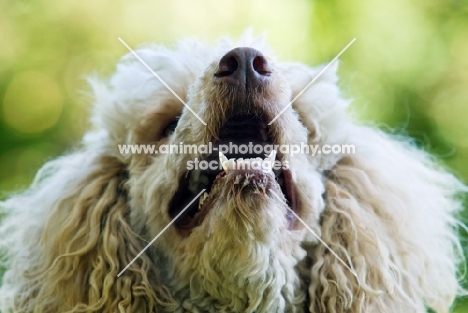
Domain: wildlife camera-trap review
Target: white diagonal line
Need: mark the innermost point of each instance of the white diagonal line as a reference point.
(313, 80)
(160, 233)
(316, 236)
(160, 79)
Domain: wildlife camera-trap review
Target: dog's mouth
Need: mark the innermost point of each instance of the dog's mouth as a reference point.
(252, 137)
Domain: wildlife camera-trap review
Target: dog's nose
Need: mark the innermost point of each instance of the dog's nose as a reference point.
(243, 66)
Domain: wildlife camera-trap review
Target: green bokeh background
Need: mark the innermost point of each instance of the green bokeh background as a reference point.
(407, 71)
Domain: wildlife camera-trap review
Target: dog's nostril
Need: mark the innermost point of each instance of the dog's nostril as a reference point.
(261, 66)
(243, 66)
(227, 66)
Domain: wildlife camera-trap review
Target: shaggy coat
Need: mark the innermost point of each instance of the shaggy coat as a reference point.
(386, 210)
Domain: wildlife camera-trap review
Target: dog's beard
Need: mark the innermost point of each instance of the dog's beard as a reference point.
(244, 205)
(240, 251)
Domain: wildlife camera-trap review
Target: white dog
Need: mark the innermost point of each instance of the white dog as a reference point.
(385, 211)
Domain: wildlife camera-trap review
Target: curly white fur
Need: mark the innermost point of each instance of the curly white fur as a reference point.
(387, 210)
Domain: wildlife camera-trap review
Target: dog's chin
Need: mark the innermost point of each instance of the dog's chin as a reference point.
(239, 246)
(241, 202)
(245, 203)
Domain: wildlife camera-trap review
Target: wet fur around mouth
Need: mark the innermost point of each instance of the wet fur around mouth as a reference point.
(388, 210)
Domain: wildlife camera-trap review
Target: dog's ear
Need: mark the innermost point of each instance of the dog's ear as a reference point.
(74, 230)
(389, 215)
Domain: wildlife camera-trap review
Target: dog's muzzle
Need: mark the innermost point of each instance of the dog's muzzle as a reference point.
(242, 93)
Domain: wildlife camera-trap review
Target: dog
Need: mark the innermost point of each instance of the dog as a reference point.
(99, 230)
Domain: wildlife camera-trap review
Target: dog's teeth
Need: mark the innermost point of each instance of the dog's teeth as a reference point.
(238, 164)
(223, 160)
(202, 199)
(247, 164)
(228, 165)
(256, 163)
(267, 166)
(269, 162)
(272, 156)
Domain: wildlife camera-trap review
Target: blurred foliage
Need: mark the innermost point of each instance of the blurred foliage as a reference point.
(407, 72)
